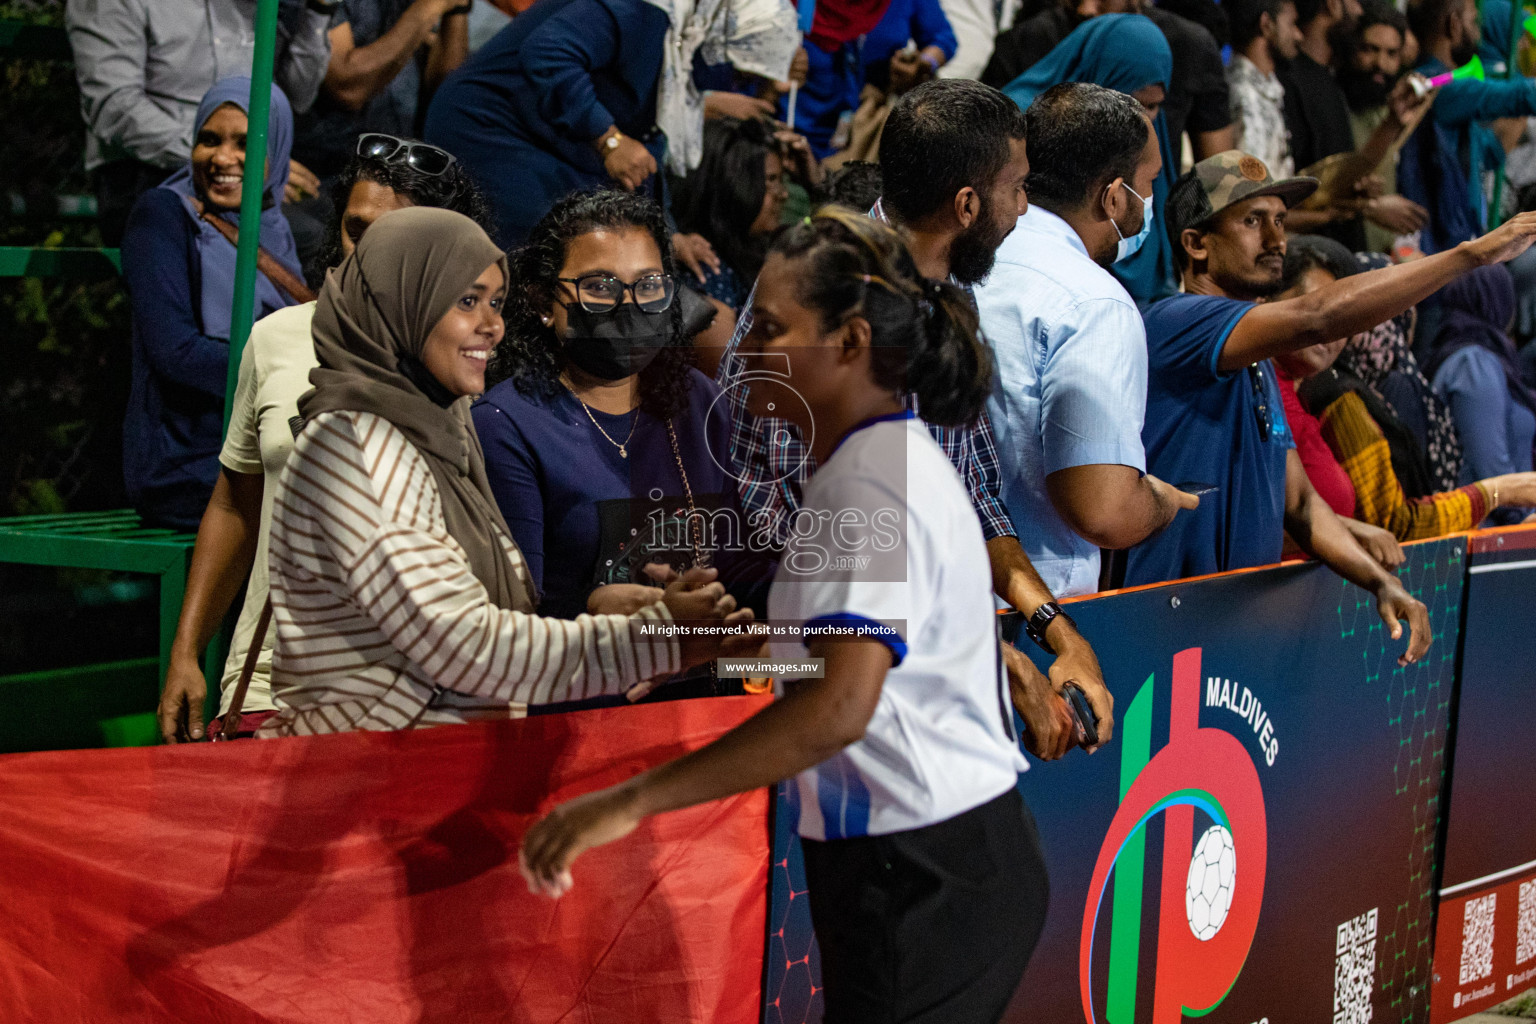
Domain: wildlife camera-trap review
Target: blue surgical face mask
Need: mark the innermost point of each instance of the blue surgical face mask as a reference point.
(1131, 246)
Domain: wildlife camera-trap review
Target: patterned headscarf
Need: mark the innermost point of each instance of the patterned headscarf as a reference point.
(1388, 348)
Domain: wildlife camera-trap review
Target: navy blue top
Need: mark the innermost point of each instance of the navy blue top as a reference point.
(725, 285)
(834, 80)
(524, 110)
(175, 417)
(1227, 430)
(922, 21)
(577, 508)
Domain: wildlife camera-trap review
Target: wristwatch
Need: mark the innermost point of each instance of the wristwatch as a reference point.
(1040, 621)
(611, 143)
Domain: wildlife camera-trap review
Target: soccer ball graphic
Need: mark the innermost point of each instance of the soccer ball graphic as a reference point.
(1208, 890)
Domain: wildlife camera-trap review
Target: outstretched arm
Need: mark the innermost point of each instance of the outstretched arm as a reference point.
(1358, 303)
(815, 720)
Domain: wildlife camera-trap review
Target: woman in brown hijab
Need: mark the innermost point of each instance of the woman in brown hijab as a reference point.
(398, 595)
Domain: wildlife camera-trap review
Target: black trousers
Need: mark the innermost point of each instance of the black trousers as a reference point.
(931, 926)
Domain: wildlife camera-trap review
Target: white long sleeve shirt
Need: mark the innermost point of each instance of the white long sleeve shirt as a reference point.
(382, 625)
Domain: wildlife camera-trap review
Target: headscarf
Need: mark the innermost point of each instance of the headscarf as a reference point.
(836, 22)
(215, 255)
(1494, 49)
(1478, 307)
(371, 323)
(1371, 356)
(1124, 52)
(758, 37)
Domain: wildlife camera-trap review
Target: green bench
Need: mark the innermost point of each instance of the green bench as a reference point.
(116, 541)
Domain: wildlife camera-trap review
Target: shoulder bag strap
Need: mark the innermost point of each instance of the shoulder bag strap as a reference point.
(278, 274)
(229, 722)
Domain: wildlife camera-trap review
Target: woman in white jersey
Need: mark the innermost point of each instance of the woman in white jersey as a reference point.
(926, 882)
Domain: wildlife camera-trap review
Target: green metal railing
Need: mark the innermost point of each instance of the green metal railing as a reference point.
(116, 540)
(250, 193)
(70, 262)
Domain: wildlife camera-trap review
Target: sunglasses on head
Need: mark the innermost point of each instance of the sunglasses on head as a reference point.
(418, 155)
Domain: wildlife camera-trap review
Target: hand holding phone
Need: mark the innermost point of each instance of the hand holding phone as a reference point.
(1082, 715)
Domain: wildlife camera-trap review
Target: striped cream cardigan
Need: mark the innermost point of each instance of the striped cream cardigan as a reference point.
(380, 623)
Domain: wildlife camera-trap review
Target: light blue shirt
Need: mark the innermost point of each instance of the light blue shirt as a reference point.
(1070, 387)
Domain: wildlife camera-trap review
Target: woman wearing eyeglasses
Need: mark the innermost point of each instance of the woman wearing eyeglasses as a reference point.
(604, 448)
(399, 599)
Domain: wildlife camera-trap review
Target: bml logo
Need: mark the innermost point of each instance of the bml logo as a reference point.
(1208, 908)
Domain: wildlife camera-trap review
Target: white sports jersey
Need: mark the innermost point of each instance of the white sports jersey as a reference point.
(887, 541)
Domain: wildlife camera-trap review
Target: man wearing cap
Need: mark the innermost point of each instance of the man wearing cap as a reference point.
(1214, 418)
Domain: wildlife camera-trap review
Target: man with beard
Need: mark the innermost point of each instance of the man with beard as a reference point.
(1443, 162)
(1317, 115)
(1368, 60)
(1213, 407)
(953, 164)
(1068, 343)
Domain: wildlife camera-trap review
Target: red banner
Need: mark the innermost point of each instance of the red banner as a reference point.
(1485, 947)
(372, 877)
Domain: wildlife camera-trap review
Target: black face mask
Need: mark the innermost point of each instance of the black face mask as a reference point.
(612, 346)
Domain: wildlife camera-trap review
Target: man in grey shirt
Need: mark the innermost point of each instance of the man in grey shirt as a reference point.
(143, 66)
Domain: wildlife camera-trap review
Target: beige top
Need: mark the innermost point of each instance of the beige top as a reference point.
(380, 622)
(274, 372)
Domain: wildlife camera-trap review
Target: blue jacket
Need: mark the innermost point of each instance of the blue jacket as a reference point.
(175, 417)
(524, 110)
(1442, 163)
(834, 80)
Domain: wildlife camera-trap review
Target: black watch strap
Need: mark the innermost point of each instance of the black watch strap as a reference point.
(1040, 621)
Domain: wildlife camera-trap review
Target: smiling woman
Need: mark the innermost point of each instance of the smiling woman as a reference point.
(179, 265)
(218, 158)
(399, 597)
(456, 351)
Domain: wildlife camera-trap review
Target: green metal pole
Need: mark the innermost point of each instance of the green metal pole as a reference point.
(1516, 29)
(251, 190)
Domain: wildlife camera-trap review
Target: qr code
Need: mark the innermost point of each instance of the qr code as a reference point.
(1354, 969)
(1525, 928)
(1477, 939)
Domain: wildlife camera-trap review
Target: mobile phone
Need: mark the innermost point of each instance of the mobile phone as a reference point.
(1198, 490)
(1082, 713)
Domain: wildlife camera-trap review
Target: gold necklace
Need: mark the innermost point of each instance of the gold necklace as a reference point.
(623, 448)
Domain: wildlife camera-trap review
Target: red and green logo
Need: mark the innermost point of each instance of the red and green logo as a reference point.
(1212, 885)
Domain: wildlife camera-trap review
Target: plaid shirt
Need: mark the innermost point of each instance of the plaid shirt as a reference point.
(773, 462)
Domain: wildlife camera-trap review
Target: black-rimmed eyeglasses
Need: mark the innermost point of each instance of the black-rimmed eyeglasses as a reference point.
(418, 155)
(602, 293)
